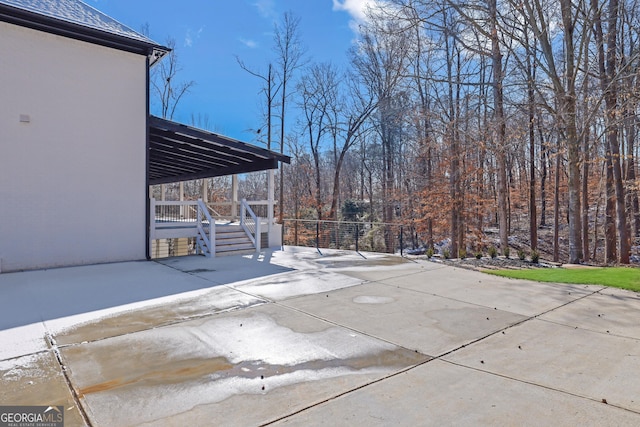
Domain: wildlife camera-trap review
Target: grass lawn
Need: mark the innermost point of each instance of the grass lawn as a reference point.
(617, 277)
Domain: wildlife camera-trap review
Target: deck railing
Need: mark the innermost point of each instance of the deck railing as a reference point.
(231, 211)
(250, 223)
(206, 238)
(188, 227)
(358, 236)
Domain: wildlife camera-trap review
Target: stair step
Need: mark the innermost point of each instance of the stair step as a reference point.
(228, 229)
(224, 242)
(234, 247)
(234, 235)
(237, 252)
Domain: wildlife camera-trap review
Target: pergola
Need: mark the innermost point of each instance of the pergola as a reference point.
(180, 153)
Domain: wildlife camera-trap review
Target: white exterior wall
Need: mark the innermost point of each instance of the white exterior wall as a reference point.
(72, 180)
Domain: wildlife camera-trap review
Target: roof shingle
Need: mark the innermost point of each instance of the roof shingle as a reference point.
(77, 12)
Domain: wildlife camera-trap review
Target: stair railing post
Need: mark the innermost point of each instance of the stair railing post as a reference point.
(357, 235)
(199, 220)
(152, 225)
(258, 235)
(243, 211)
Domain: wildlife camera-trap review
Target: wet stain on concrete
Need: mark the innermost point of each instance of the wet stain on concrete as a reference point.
(219, 368)
(199, 270)
(175, 372)
(352, 262)
(149, 317)
(226, 360)
(370, 299)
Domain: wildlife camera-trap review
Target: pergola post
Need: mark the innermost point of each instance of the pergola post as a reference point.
(205, 191)
(270, 200)
(234, 196)
(181, 198)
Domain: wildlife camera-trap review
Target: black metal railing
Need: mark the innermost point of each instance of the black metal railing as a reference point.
(356, 236)
(175, 211)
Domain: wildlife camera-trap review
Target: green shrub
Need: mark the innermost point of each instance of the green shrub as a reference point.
(535, 256)
(446, 254)
(478, 255)
(493, 252)
(430, 253)
(506, 251)
(521, 255)
(462, 253)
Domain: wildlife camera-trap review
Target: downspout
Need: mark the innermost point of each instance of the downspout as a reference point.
(146, 168)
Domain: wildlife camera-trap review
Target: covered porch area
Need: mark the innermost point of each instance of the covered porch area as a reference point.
(180, 153)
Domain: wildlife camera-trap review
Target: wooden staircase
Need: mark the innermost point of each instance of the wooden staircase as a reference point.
(231, 239)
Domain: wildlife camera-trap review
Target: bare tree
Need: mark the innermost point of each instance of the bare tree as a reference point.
(353, 110)
(562, 74)
(168, 91)
(289, 58)
(381, 59)
(608, 68)
(319, 91)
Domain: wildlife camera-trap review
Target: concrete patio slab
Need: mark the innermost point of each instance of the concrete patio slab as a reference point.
(22, 340)
(378, 272)
(332, 258)
(611, 311)
(442, 394)
(580, 362)
(254, 360)
(309, 282)
(430, 324)
(228, 269)
(37, 380)
(155, 313)
(35, 296)
(316, 338)
(516, 296)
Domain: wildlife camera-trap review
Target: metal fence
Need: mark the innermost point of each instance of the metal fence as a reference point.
(356, 236)
(231, 211)
(175, 211)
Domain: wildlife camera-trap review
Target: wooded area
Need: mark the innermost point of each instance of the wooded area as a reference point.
(458, 117)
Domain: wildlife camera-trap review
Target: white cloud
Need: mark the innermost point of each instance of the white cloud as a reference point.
(248, 42)
(266, 8)
(356, 8)
(191, 35)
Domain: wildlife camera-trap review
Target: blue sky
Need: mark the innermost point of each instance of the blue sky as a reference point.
(211, 33)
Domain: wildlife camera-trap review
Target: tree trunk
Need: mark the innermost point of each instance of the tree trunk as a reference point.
(556, 211)
(607, 61)
(585, 194)
(499, 128)
(533, 220)
(544, 160)
(573, 145)
(634, 203)
(586, 128)
(610, 239)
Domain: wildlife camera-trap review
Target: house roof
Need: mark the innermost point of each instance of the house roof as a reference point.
(179, 153)
(75, 19)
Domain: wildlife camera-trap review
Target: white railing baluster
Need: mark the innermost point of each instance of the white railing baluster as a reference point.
(208, 238)
(188, 219)
(252, 232)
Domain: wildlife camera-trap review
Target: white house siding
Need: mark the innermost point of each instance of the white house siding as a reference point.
(72, 179)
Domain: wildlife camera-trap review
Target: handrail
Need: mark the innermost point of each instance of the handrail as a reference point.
(252, 232)
(207, 237)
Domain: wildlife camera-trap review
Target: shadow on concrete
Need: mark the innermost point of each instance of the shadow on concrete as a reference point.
(35, 296)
